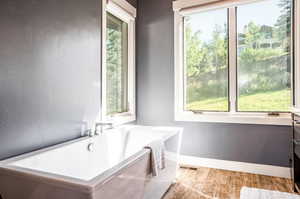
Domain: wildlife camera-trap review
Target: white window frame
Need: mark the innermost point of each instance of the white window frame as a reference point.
(297, 53)
(127, 13)
(185, 7)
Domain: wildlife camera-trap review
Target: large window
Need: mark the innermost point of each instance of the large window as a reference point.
(118, 67)
(235, 61)
(206, 61)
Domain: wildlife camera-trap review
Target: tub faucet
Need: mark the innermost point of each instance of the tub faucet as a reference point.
(101, 125)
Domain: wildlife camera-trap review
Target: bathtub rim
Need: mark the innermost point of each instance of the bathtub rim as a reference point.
(86, 186)
(176, 130)
(66, 182)
(7, 164)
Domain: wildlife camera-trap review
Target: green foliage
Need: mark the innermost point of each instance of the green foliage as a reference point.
(253, 34)
(197, 55)
(114, 57)
(279, 100)
(263, 62)
(206, 64)
(210, 104)
(267, 101)
(284, 21)
(116, 96)
(252, 55)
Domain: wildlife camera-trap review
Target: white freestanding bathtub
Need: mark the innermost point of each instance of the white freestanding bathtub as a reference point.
(113, 165)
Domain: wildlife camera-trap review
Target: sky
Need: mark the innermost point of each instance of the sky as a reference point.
(263, 13)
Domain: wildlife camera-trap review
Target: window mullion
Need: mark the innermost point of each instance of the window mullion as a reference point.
(232, 49)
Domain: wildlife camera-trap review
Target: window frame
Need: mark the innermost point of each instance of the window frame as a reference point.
(297, 54)
(127, 13)
(183, 8)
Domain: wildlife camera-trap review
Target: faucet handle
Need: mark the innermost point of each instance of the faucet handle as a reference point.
(88, 132)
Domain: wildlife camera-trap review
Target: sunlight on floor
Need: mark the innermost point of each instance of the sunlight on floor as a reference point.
(206, 183)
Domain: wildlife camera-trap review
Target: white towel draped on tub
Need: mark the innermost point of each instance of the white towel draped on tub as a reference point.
(157, 148)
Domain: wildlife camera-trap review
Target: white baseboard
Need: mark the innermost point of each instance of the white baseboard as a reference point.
(269, 170)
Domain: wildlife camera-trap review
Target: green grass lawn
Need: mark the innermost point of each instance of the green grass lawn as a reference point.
(267, 101)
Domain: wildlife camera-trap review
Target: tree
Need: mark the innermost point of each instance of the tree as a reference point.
(195, 54)
(206, 62)
(284, 21)
(252, 35)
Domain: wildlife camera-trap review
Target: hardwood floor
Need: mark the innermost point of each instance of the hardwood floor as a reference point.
(206, 183)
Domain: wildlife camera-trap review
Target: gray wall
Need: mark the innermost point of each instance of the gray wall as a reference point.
(133, 2)
(50, 79)
(155, 91)
(49, 72)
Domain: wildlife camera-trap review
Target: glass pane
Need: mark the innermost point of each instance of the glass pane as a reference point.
(116, 71)
(206, 61)
(264, 56)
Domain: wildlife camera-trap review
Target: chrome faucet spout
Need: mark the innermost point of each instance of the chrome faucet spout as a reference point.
(109, 125)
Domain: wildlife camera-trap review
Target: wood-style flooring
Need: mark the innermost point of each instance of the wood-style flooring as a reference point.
(207, 183)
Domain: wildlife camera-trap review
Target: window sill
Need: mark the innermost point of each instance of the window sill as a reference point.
(238, 118)
(295, 110)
